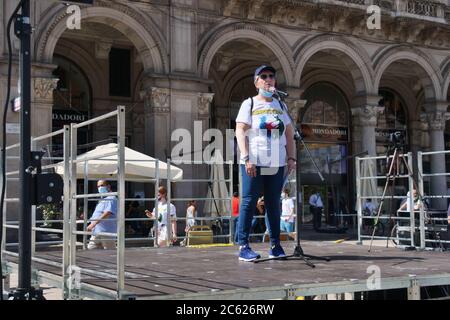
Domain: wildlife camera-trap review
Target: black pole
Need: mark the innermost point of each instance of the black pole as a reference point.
(24, 33)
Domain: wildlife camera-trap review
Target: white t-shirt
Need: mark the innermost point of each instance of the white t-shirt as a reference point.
(286, 206)
(163, 217)
(267, 138)
(190, 216)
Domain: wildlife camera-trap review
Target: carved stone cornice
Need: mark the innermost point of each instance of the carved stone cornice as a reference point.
(204, 101)
(367, 115)
(43, 88)
(102, 49)
(423, 25)
(436, 120)
(156, 100)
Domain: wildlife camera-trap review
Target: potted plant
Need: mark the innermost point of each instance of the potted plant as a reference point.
(51, 212)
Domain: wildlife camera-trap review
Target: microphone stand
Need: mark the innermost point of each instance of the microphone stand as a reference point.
(298, 253)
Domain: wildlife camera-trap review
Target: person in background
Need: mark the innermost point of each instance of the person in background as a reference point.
(104, 219)
(164, 218)
(287, 212)
(191, 213)
(132, 227)
(235, 213)
(448, 214)
(316, 207)
(369, 208)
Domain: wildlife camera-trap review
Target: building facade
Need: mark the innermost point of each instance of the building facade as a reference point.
(174, 62)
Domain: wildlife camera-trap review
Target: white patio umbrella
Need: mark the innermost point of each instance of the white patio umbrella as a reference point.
(217, 189)
(137, 165)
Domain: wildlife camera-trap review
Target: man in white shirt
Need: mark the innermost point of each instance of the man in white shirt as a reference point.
(316, 207)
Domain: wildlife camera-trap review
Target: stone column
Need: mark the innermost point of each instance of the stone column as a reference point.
(365, 118)
(203, 107)
(42, 105)
(436, 116)
(418, 139)
(157, 122)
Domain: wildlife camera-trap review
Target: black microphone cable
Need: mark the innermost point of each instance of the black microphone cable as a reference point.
(3, 147)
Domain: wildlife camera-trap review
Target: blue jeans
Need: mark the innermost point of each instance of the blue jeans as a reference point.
(236, 223)
(251, 187)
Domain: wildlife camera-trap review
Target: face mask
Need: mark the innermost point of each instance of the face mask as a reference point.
(284, 195)
(102, 190)
(265, 93)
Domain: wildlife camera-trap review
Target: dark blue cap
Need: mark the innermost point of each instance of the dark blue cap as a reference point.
(262, 68)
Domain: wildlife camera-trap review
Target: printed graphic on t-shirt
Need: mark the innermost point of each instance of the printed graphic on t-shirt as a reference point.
(269, 120)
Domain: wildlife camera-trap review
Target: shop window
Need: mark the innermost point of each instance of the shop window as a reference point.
(120, 72)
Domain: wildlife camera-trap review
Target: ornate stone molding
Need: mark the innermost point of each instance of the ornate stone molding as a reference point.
(408, 21)
(436, 120)
(204, 101)
(254, 9)
(157, 100)
(228, 10)
(43, 88)
(367, 115)
(102, 50)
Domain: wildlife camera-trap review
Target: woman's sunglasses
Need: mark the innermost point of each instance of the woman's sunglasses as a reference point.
(265, 76)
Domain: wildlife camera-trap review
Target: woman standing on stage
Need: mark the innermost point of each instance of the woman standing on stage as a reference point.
(265, 137)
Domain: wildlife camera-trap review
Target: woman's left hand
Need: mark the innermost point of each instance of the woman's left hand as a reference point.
(292, 165)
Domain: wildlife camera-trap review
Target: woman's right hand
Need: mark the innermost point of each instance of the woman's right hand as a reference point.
(250, 169)
(148, 214)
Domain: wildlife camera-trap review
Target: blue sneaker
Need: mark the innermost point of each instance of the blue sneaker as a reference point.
(247, 254)
(276, 251)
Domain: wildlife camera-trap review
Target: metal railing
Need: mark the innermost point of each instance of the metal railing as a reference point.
(430, 233)
(375, 221)
(422, 226)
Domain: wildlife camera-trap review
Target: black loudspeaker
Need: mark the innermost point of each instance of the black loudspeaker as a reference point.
(48, 188)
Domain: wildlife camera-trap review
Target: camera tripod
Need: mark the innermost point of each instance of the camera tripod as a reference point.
(393, 173)
(298, 253)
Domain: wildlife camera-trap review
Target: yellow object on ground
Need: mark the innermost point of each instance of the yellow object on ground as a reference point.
(211, 245)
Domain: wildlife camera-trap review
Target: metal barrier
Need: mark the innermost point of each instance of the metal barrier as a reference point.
(377, 218)
(70, 221)
(431, 226)
(221, 216)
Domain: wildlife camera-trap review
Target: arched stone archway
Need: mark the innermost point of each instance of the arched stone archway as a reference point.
(75, 53)
(331, 76)
(426, 69)
(216, 39)
(139, 29)
(357, 61)
(446, 78)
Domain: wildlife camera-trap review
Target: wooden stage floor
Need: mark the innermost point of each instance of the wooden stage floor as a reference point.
(216, 273)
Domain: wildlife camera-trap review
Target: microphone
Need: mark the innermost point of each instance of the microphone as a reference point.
(278, 92)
